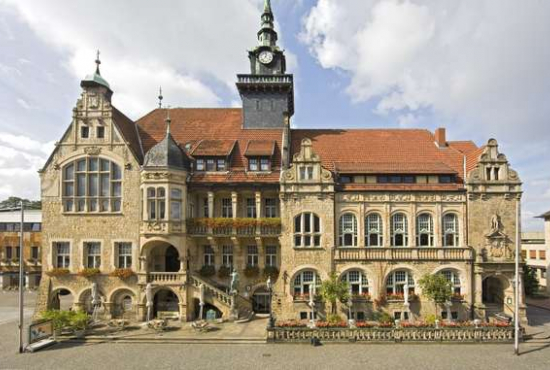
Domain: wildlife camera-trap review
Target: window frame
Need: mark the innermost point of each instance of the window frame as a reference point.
(124, 260)
(301, 289)
(348, 233)
(92, 260)
(451, 236)
(398, 287)
(396, 232)
(252, 256)
(271, 252)
(227, 256)
(64, 256)
(424, 230)
(374, 233)
(311, 232)
(362, 282)
(95, 187)
(156, 203)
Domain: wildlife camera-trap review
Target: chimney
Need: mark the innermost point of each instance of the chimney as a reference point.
(440, 138)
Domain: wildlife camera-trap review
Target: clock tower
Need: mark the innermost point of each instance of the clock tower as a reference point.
(267, 92)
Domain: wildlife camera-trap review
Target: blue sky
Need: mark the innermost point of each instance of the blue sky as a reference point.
(477, 67)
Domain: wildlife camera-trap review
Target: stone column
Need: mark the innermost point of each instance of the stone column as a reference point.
(210, 204)
(234, 199)
(477, 294)
(258, 196)
(438, 226)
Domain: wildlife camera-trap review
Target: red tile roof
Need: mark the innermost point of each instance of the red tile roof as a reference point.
(401, 187)
(222, 148)
(260, 148)
(190, 126)
(388, 149)
(129, 131)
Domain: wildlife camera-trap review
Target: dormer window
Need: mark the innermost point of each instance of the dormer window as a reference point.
(100, 132)
(446, 179)
(84, 132)
(211, 164)
(259, 164)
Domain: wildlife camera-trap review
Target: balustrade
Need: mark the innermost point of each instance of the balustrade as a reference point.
(417, 254)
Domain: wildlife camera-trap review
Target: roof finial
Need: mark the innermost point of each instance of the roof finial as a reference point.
(168, 120)
(267, 6)
(97, 62)
(160, 97)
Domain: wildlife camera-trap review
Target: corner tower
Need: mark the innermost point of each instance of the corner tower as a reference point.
(267, 92)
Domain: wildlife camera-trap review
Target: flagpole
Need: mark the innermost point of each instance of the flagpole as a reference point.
(21, 278)
(516, 282)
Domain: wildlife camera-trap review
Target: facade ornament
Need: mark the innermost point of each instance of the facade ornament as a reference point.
(495, 223)
(92, 150)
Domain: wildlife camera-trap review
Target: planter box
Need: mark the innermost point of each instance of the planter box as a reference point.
(397, 335)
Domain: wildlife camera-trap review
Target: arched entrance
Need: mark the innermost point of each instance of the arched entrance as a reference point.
(165, 300)
(171, 258)
(493, 291)
(260, 300)
(123, 303)
(62, 299)
(162, 257)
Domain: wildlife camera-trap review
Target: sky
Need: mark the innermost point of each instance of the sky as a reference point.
(479, 68)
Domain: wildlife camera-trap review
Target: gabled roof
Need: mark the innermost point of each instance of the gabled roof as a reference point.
(191, 126)
(420, 168)
(260, 148)
(217, 148)
(129, 131)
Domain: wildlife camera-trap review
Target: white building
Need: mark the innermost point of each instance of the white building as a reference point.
(534, 253)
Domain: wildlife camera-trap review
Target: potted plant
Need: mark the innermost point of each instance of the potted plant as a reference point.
(89, 272)
(122, 273)
(271, 272)
(224, 272)
(207, 270)
(57, 272)
(251, 271)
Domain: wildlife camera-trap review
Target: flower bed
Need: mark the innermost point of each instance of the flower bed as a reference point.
(122, 273)
(89, 272)
(56, 272)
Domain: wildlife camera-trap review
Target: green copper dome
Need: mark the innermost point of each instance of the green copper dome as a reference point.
(96, 78)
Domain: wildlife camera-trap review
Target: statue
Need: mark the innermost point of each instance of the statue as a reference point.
(234, 288)
(495, 223)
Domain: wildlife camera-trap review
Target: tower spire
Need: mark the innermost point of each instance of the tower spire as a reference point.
(168, 121)
(267, 7)
(160, 97)
(97, 63)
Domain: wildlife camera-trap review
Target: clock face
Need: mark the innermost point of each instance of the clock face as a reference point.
(266, 57)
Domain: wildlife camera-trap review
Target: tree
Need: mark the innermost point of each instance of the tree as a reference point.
(333, 290)
(436, 288)
(14, 202)
(530, 280)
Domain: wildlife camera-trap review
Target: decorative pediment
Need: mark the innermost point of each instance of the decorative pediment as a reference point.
(493, 168)
(306, 168)
(306, 153)
(497, 243)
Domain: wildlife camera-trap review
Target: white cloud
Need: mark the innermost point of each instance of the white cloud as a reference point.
(184, 45)
(480, 63)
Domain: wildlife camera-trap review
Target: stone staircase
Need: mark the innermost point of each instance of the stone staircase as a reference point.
(222, 299)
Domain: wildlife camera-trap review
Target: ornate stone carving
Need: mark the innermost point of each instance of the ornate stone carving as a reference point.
(400, 197)
(157, 175)
(92, 150)
(451, 198)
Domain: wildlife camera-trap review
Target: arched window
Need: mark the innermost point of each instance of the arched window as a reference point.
(424, 230)
(348, 230)
(450, 230)
(92, 184)
(305, 283)
(374, 230)
(357, 281)
(453, 277)
(307, 230)
(396, 281)
(399, 230)
(156, 203)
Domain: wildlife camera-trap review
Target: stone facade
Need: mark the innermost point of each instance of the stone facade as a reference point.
(194, 218)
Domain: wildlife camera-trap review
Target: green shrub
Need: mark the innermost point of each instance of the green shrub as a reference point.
(207, 270)
(334, 318)
(430, 319)
(251, 271)
(78, 320)
(383, 318)
(224, 272)
(60, 319)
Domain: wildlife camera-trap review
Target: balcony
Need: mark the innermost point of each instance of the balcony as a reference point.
(162, 278)
(234, 227)
(403, 254)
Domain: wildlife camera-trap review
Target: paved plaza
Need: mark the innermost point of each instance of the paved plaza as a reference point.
(535, 354)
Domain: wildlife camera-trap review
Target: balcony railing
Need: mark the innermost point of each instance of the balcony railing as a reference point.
(162, 278)
(237, 226)
(404, 254)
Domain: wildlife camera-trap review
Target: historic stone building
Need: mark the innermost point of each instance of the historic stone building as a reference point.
(10, 254)
(181, 197)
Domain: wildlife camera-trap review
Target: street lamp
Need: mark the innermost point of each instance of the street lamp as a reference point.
(21, 270)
